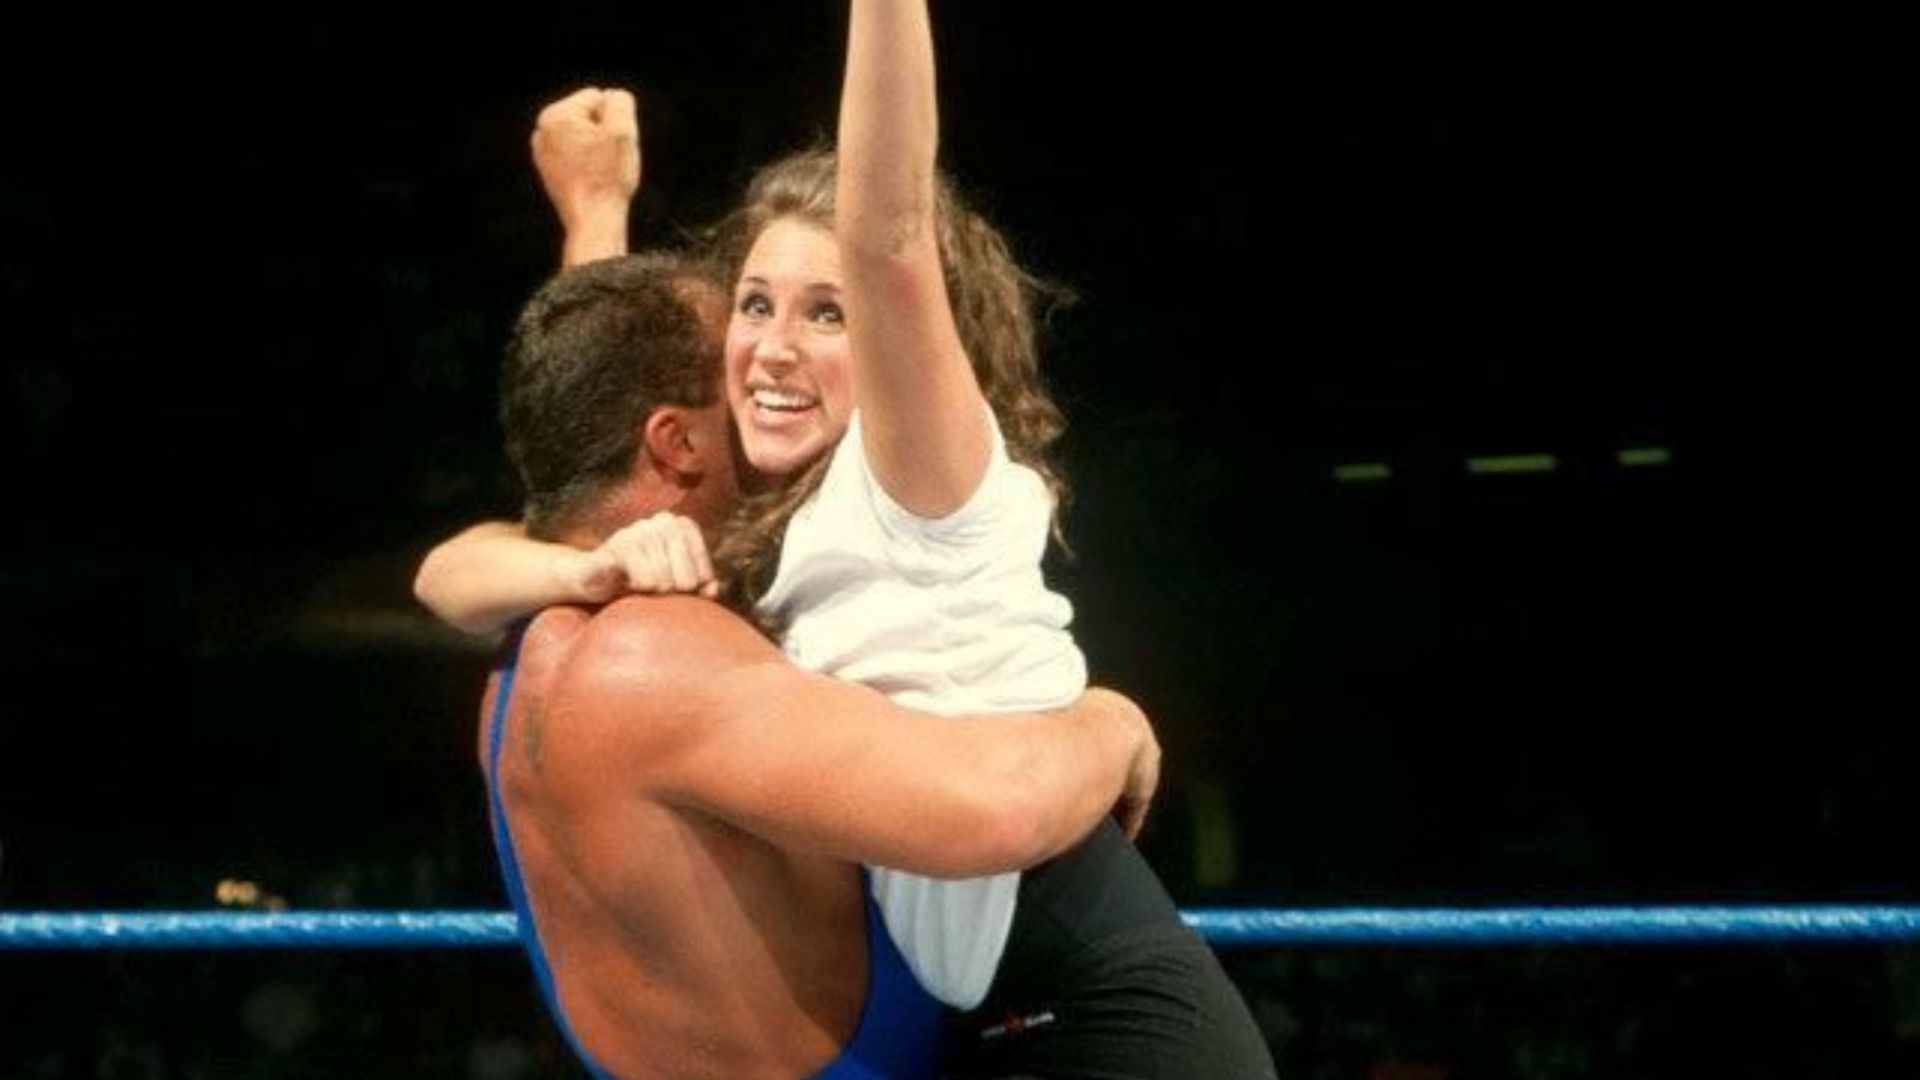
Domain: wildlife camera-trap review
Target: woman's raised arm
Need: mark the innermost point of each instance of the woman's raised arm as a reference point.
(923, 417)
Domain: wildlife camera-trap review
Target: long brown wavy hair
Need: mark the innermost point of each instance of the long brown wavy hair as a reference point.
(994, 307)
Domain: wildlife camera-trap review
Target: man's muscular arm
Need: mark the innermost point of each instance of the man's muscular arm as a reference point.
(683, 701)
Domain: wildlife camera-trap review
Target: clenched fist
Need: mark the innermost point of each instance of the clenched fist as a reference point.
(586, 147)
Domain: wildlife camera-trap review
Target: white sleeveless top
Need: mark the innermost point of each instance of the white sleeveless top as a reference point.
(946, 615)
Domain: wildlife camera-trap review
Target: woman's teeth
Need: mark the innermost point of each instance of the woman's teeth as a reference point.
(782, 401)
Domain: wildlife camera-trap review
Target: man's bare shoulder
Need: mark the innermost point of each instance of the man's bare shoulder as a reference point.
(551, 634)
(658, 657)
(614, 693)
(666, 637)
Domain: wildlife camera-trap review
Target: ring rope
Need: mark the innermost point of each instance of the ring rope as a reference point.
(1222, 927)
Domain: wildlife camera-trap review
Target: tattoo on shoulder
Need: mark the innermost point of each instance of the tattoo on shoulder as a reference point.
(530, 725)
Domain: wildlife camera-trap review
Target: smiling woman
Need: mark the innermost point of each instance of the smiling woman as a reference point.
(988, 312)
(789, 374)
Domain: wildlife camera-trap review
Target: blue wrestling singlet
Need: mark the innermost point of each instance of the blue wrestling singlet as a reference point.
(898, 1037)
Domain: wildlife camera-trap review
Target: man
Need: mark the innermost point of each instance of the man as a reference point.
(678, 809)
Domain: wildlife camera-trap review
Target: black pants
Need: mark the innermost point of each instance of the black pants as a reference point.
(1101, 981)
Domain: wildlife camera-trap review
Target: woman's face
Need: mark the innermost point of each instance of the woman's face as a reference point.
(789, 376)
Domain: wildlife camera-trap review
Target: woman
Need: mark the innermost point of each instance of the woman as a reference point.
(880, 362)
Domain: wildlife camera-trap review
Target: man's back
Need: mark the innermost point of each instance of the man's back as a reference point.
(683, 811)
(680, 945)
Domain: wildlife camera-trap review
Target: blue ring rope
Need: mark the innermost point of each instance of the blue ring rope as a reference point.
(1222, 927)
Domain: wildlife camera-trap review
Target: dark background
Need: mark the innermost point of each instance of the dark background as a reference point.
(256, 271)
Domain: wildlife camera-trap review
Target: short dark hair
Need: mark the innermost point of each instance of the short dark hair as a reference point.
(596, 350)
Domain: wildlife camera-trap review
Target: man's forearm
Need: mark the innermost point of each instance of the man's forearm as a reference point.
(602, 235)
(1059, 774)
(812, 763)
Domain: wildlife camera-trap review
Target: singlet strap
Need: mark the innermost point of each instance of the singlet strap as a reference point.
(509, 861)
(898, 1037)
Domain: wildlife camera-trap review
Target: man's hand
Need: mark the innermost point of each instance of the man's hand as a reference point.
(1143, 771)
(587, 149)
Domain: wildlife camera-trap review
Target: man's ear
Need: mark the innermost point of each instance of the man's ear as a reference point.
(666, 436)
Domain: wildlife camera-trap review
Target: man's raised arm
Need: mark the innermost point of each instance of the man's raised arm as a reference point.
(586, 147)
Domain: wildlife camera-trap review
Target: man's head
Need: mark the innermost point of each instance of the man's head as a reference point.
(610, 398)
